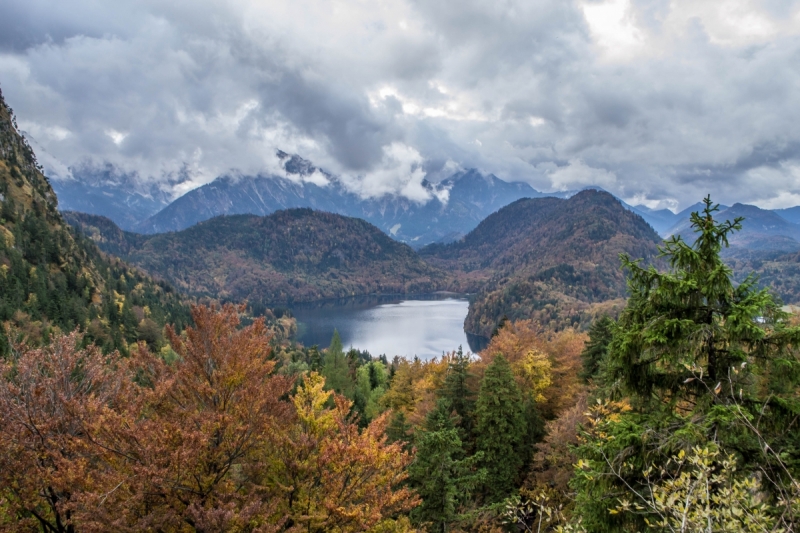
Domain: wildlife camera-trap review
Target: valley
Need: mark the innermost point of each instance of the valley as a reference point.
(129, 341)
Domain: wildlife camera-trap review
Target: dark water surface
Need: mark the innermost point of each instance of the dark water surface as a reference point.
(422, 325)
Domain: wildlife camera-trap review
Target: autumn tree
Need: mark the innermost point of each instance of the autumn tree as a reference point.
(201, 424)
(49, 465)
(329, 475)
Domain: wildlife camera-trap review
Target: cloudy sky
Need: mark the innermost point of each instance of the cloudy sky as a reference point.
(658, 101)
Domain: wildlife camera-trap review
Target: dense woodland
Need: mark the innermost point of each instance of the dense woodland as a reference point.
(549, 259)
(291, 255)
(680, 414)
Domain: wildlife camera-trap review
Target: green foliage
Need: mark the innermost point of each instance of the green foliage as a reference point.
(696, 361)
(335, 368)
(53, 280)
(372, 380)
(440, 473)
(600, 335)
(457, 393)
(500, 429)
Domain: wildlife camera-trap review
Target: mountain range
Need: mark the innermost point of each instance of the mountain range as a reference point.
(453, 208)
(552, 259)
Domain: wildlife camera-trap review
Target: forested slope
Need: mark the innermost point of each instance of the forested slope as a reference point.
(48, 278)
(547, 258)
(291, 255)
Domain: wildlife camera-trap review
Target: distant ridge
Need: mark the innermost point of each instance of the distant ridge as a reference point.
(763, 230)
(289, 256)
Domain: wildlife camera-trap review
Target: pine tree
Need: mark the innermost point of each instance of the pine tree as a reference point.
(500, 428)
(600, 334)
(455, 390)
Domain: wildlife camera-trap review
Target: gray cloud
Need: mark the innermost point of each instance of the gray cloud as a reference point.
(658, 101)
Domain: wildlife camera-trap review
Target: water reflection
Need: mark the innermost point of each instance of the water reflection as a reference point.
(421, 325)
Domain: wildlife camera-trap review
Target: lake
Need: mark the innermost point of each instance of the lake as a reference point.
(422, 325)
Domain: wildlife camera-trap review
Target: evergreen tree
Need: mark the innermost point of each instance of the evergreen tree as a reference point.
(697, 362)
(335, 368)
(500, 428)
(600, 334)
(442, 477)
(398, 430)
(456, 391)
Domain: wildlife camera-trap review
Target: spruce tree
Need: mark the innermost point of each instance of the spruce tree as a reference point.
(335, 368)
(455, 390)
(600, 334)
(696, 362)
(500, 429)
(440, 473)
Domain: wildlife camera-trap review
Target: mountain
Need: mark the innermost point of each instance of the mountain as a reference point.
(551, 259)
(289, 256)
(790, 214)
(660, 220)
(51, 279)
(762, 231)
(106, 191)
(456, 205)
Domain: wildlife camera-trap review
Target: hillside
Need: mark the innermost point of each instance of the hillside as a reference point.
(49, 279)
(551, 259)
(289, 256)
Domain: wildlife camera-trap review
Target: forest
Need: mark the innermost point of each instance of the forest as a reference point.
(679, 415)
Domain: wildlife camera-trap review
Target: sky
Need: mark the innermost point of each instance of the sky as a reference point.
(659, 102)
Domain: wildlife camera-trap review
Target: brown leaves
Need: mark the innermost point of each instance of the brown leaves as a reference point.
(524, 343)
(49, 398)
(208, 443)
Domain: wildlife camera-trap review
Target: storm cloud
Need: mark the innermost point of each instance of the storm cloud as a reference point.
(657, 101)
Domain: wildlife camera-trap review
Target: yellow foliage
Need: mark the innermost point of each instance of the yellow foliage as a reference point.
(556, 387)
(533, 369)
(310, 403)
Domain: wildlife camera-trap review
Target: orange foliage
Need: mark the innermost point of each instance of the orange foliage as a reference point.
(414, 386)
(96, 443)
(526, 339)
(47, 461)
(553, 462)
(332, 476)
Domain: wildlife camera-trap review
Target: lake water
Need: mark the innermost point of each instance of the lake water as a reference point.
(419, 325)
